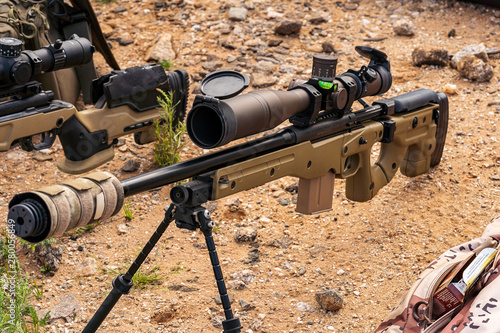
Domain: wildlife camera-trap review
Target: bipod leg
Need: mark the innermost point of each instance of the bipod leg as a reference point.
(123, 282)
(231, 324)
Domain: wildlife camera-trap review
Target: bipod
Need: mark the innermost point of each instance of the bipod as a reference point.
(187, 211)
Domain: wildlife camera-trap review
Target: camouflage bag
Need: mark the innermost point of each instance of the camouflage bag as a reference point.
(480, 310)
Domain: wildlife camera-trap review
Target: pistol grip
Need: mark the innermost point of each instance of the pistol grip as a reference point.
(78, 167)
(316, 194)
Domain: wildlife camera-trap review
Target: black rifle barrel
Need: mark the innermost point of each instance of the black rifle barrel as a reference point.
(283, 138)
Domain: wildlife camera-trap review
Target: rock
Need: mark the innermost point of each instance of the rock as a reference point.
(328, 47)
(123, 229)
(236, 284)
(247, 276)
(253, 256)
(256, 325)
(237, 13)
(49, 256)
(233, 202)
(305, 307)
(17, 155)
(284, 201)
(404, 28)
(437, 57)
(288, 27)
(329, 300)
(217, 321)
(107, 30)
(218, 300)
(87, 268)
(212, 66)
(474, 68)
(66, 309)
(292, 188)
(131, 166)
(283, 242)
(318, 19)
(477, 50)
(162, 50)
(450, 89)
(42, 157)
(124, 41)
(246, 306)
(245, 234)
(452, 33)
(274, 42)
(119, 9)
(260, 80)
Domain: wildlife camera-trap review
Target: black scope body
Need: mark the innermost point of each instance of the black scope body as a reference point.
(18, 67)
(215, 122)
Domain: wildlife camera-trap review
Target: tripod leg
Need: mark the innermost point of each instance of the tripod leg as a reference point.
(123, 283)
(231, 324)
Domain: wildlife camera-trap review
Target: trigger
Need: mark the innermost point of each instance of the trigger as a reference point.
(46, 141)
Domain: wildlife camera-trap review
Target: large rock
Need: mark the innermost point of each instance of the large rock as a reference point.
(329, 300)
(474, 68)
(162, 50)
(404, 28)
(288, 27)
(49, 256)
(237, 13)
(247, 234)
(477, 50)
(87, 268)
(438, 57)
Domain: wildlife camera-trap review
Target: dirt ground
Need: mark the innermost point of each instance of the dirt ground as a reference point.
(369, 252)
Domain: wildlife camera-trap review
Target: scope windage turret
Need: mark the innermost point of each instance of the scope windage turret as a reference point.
(215, 122)
(53, 210)
(19, 67)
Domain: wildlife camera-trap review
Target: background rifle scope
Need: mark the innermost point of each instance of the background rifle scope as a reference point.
(19, 67)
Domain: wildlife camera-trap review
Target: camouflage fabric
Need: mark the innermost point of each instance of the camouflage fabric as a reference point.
(413, 313)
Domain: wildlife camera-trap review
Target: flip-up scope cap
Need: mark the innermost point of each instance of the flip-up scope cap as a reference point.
(224, 84)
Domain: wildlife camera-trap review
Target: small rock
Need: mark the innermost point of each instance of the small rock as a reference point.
(42, 157)
(124, 41)
(253, 255)
(256, 325)
(246, 306)
(217, 321)
(17, 155)
(260, 80)
(212, 66)
(305, 307)
(452, 33)
(284, 201)
(437, 57)
(246, 275)
(131, 166)
(494, 102)
(246, 234)
(450, 89)
(119, 9)
(66, 309)
(162, 50)
(283, 242)
(49, 256)
(292, 188)
(107, 30)
(288, 27)
(218, 300)
(87, 268)
(340, 272)
(404, 28)
(237, 13)
(236, 284)
(274, 42)
(474, 68)
(328, 47)
(123, 229)
(329, 300)
(318, 19)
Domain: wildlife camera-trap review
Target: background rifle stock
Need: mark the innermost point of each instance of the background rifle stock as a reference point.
(367, 251)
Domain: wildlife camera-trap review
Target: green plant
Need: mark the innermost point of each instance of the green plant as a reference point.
(17, 291)
(167, 64)
(32, 246)
(128, 211)
(178, 268)
(142, 277)
(169, 132)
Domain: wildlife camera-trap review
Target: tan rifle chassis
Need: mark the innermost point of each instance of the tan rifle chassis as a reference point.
(345, 156)
(113, 120)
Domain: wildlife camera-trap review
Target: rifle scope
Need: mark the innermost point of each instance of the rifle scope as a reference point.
(214, 122)
(19, 67)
